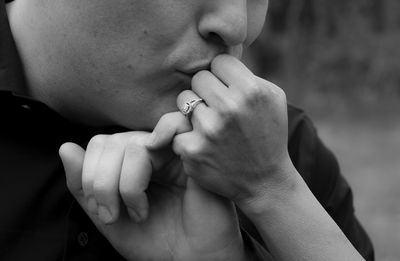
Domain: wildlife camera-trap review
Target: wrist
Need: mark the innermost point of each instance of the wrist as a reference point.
(275, 194)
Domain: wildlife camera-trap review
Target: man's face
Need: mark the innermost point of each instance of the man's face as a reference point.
(125, 61)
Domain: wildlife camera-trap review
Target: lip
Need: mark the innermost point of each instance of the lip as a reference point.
(193, 69)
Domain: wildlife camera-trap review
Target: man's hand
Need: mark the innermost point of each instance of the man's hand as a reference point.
(143, 202)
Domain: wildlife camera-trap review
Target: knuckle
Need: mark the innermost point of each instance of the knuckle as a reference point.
(129, 196)
(166, 118)
(125, 192)
(102, 189)
(280, 93)
(87, 186)
(256, 92)
(98, 140)
(213, 130)
(254, 96)
(231, 110)
(133, 143)
(134, 147)
(192, 151)
(114, 139)
(177, 145)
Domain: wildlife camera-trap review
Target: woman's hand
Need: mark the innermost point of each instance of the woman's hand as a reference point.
(238, 149)
(143, 202)
(238, 146)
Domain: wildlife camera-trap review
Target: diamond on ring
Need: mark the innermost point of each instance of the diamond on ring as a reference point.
(189, 107)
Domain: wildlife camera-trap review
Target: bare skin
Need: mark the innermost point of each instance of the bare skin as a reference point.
(128, 63)
(232, 148)
(177, 225)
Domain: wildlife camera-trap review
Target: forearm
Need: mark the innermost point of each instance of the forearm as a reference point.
(296, 227)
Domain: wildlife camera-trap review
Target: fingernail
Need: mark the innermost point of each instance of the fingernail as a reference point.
(104, 215)
(92, 205)
(134, 215)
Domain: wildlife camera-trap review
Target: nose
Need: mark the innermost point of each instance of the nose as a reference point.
(225, 21)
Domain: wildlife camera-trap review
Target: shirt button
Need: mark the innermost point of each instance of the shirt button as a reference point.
(83, 239)
(26, 106)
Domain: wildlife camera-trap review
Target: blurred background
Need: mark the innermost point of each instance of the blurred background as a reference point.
(340, 62)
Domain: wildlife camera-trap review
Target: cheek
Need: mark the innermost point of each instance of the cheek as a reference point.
(257, 12)
(126, 33)
(157, 21)
(101, 18)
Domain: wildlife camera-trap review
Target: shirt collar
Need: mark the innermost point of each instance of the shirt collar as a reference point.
(11, 72)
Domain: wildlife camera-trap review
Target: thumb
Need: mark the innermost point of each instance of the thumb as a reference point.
(72, 157)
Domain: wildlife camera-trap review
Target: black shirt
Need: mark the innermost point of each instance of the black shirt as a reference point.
(39, 218)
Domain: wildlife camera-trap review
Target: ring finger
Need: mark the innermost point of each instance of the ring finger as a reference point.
(201, 115)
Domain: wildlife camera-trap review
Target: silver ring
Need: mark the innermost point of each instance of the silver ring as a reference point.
(189, 107)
